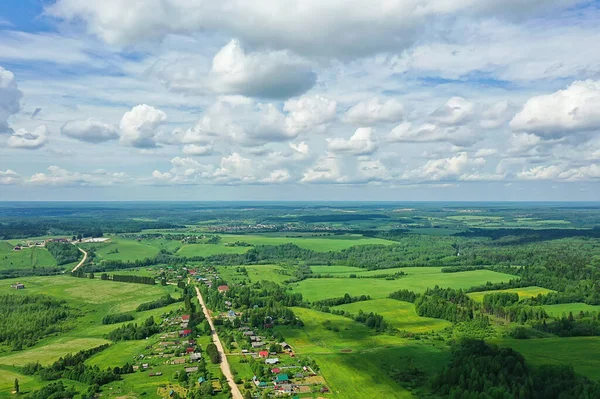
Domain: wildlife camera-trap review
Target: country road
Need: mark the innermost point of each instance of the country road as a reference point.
(235, 391)
(82, 260)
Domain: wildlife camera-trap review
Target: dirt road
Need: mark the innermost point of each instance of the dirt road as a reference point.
(235, 391)
(82, 260)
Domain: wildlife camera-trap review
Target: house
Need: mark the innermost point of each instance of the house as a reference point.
(263, 354)
(324, 390)
(191, 369)
(298, 375)
(254, 338)
(276, 370)
(285, 388)
(248, 333)
(179, 360)
(281, 379)
(201, 380)
(258, 344)
(145, 366)
(189, 350)
(185, 333)
(18, 286)
(231, 314)
(223, 288)
(195, 357)
(272, 361)
(285, 346)
(17, 248)
(185, 317)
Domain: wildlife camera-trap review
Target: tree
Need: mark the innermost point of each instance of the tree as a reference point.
(183, 377)
(91, 275)
(16, 385)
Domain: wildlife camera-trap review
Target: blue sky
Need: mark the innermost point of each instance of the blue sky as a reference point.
(290, 100)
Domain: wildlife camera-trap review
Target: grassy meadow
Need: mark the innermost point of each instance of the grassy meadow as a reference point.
(564, 308)
(399, 314)
(418, 279)
(25, 258)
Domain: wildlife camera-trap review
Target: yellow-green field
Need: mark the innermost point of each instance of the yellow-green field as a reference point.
(418, 280)
(564, 308)
(399, 314)
(524, 292)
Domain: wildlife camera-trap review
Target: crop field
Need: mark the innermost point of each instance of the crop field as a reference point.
(399, 314)
(25, 258)
(346, 271)
(524, 293)
(418, 280)
(564, 308)
(583, 353)
(320, 244)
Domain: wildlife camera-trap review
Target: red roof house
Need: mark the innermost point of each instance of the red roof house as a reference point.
(185, 317)
(263, 354)
(223, 288)
(189, 350)
(185, 333)
(276, 370)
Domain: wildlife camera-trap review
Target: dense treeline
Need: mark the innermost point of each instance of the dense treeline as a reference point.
(84, 226)
(347, 298)
(134, 279)
(458, 269)
(117, 318)
(481, 371)
(569, 326)
(404, 295)
(159, 303)
(34, 271)
(27, 319)
(371, 320)
(63, 252)
(133, 331)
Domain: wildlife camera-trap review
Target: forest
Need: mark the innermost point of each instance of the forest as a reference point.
(27, 319)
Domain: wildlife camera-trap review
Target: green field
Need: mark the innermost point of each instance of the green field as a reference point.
(127, 249)
(524, 293)
(209, 249)
(26, 258)
(418, 280)
(399, 314)
(564, 308)
(320, 244)
(583, 353)
(352, 358)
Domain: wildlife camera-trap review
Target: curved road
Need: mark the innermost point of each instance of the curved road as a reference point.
(235, 391)
(82, 260)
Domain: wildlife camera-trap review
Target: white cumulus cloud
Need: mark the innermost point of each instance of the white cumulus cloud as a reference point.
(10, 98)
(575, 109)
(375, 111)
(362, 142)
(138, 126)
(90, 130)
(28, 140)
